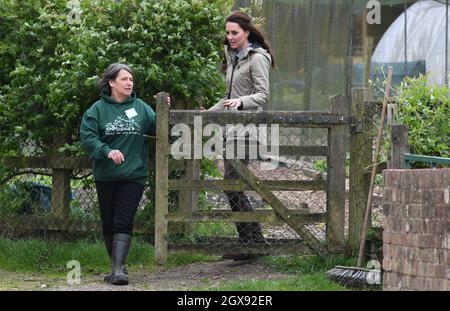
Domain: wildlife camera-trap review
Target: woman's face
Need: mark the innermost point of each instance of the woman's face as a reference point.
(122, 86)
(236, 36)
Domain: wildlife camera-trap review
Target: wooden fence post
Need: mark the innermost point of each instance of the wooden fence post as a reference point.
(399, 145)
(60, 184)
(189, 197)
(162, 176)
(360, 159)
(337, 137)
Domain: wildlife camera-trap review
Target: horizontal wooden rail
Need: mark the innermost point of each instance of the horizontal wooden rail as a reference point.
(240, 185)
(282, 118)
(303, 150)
(274, 246)
(265, 216)
(70, 163)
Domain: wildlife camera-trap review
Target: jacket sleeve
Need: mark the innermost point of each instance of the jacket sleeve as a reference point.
(259, 69)
(218, 106)
(90, 137)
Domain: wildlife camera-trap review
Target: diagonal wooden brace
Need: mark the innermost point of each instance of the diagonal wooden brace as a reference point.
(317, 246)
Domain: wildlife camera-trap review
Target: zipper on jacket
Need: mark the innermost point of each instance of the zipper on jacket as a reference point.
(231, 79)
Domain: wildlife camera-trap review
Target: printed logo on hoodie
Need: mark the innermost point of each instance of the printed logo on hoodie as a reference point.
(122, 125)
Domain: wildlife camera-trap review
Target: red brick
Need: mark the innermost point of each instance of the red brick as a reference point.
(391, 279)
(387, 263)
(437, 284)
(440, 271)
(386, 236)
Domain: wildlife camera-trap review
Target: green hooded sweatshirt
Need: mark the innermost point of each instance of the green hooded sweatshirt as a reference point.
(109, 125)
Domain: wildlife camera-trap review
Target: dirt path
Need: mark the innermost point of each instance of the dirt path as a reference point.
(193, 276)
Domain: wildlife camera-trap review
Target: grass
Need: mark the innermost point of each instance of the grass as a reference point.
(308, 274)
(23, 259)
(51, 258)
(309, 282)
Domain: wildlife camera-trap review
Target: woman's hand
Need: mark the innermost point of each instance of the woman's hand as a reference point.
(167, 99)
(232, 103)
(116, 156)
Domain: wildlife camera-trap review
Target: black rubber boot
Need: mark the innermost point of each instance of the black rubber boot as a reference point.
(121, 246)
(109, 246)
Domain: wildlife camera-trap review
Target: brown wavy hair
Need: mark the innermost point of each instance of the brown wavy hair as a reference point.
(255, 36)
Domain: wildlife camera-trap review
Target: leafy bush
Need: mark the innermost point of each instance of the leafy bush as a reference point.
(425, 108)
(49, 67)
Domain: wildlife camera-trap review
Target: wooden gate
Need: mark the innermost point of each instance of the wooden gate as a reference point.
(336, 121)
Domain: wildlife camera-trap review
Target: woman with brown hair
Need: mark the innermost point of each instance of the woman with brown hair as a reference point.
(247, 63)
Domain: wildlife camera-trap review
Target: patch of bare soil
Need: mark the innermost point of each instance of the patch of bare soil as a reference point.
(185, 278)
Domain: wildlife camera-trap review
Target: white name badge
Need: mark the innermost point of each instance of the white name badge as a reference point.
(131, 113)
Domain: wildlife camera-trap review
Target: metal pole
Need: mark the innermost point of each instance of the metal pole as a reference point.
(405, 6)
(446, 43)
(349, 73)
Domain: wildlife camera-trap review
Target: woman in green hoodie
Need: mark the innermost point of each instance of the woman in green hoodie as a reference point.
(112, 132)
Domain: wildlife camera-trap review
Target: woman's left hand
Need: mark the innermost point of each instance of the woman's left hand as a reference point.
(167, 100)
(232, 103)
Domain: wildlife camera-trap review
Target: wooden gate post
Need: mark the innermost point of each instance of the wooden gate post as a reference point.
(337, 138)
(399, 145)
(162, 176)
(360, 159)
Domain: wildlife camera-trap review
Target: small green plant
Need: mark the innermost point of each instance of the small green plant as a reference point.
(320, 166)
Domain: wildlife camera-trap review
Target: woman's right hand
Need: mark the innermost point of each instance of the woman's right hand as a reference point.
(116, 156)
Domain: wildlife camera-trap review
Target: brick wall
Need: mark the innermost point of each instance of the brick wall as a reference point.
(416, 229)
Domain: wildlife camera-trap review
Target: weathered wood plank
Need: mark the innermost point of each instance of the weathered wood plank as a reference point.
(162, 174)
(303, 150)
(50, 223)
(188, 198)
(337, 140)
(283, 118)
(71, 163)
(293, 247)
(360, 161)
(265, 216)
(240, 185)
(278, 206)
(400, 146)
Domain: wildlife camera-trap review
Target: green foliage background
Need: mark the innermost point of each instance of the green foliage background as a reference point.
(49, 67)
(425, 108)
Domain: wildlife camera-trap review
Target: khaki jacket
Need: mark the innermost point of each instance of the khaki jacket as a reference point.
(248, 79)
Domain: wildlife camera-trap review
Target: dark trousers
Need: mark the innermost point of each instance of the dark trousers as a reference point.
(118, 201)
(249, 232)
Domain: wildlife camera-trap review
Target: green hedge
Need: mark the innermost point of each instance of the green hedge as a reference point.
(49, 66)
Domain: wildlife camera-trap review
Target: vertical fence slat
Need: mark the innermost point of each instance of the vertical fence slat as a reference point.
(399, 139)
(60, 184)
(162, 175)
(360, 160)
(337, 137)
(189, 197)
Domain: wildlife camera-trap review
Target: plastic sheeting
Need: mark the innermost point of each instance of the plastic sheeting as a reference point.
(425, 39)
